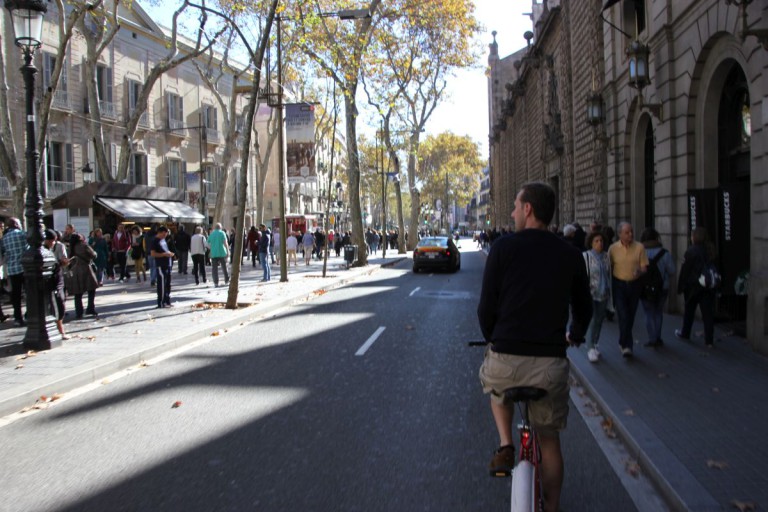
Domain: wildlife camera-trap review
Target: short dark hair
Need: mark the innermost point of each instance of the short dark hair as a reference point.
(542, 199)
(591, 238)
(649, 234)
(161, 229)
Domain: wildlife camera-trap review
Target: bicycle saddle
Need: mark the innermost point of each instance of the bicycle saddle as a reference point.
(523, 394)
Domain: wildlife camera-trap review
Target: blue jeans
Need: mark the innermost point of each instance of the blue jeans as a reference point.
(654, 315)
(264, 261)
(626, 295)
(596, 324)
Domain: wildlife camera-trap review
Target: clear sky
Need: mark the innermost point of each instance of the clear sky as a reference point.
(465, 112)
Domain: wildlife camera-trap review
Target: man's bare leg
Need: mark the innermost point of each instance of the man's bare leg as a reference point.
(551, 471)
(503, 415)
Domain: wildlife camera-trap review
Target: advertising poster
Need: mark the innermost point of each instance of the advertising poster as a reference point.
(300, 146)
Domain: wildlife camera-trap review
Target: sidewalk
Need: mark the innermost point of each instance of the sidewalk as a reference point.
(129, 328)
(695, 419)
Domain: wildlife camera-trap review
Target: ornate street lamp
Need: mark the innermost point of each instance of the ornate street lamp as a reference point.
(638, 65)
(595, 109)
(37, 261)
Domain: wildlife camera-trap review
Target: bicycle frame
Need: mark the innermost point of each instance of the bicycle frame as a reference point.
(526, 480)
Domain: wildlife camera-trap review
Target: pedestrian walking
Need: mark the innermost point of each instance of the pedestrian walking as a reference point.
(219, 245)
(121, 244)
(699, 254)
(265, 241)
(81, 278)
(598, 266)
(55, 282)
(138, 253)
(14, 243)
(274, 247)
(198, 246)
(308, 242)
(656, 285)
(291, 244)
(530, 278)
(164, 263)
(101, 247)
(182, 249)
(253, 244)
(628, 262)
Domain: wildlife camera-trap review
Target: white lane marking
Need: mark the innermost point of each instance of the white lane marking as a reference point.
(362, 350)
(414, 291)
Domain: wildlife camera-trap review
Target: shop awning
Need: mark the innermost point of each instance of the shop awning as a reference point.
(136, 210)
(179, 212)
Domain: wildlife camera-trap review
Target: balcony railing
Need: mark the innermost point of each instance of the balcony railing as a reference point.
(176, 127)
(61, 100)
(108, 109)
(56, 188)
(143, 120)
(212, 135)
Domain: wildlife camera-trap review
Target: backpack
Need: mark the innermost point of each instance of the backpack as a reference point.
(710, 278)
(653, 281)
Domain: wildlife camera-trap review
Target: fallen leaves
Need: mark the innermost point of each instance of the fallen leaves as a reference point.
(320, 292)
(42, 403)
(629, 412)
(716, 464)
(19, 366)
(29, 354)
(743, 506)
(607, 425)
(633, 468)
(176, 404)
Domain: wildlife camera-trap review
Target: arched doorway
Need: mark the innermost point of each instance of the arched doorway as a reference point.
(734, 134)
(649, 176)
(643, 168)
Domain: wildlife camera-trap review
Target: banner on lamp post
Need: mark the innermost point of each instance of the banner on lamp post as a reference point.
(300, 147)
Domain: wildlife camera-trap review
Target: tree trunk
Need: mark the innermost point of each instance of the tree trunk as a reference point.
(353, 175)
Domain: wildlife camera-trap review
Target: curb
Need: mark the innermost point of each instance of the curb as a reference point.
(15, 400)
(677, 486)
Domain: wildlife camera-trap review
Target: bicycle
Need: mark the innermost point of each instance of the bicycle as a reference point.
(525, 493)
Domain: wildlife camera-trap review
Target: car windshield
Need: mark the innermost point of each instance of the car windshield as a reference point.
(433, 242)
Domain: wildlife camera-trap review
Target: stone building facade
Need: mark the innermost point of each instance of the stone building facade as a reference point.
(689, 149)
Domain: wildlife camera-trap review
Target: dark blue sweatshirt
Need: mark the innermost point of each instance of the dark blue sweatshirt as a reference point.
(531, 277)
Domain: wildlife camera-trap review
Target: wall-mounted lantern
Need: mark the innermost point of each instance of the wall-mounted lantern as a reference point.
(638, 54)
(595, 109)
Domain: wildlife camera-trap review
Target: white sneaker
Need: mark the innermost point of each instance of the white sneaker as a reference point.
(593, 355)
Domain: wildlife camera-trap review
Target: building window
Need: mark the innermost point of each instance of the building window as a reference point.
(175, 105)
(104, 84)
(60, 95)
(211, 122)
(176, 173)
(214, 175)
(137, 173)
(59, 164)
(134, 91)
(634, 16)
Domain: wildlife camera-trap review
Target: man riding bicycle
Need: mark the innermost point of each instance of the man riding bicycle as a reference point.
(531, 277)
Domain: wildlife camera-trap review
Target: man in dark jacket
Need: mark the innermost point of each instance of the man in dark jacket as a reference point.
(182, 248)
(264, 242)
(531, 277)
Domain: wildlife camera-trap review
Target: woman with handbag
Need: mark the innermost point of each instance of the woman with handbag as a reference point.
(137, 253)
(81, 276)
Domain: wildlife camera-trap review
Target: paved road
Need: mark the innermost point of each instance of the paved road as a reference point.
(305, 410)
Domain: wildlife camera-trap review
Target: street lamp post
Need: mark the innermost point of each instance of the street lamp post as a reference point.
(37, 261)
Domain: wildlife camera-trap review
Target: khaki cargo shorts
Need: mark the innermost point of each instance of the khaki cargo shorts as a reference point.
(502, 371)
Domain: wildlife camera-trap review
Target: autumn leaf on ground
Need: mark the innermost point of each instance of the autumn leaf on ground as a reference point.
(629, 412)
(143, 364)
(409, 327)
(19, 366)
(91, 338)
(319, 292)
(29, 354)
(176, 405)
(215, 333)
(633, 468)
(743, 506)
(716, 464)
(607, 425)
